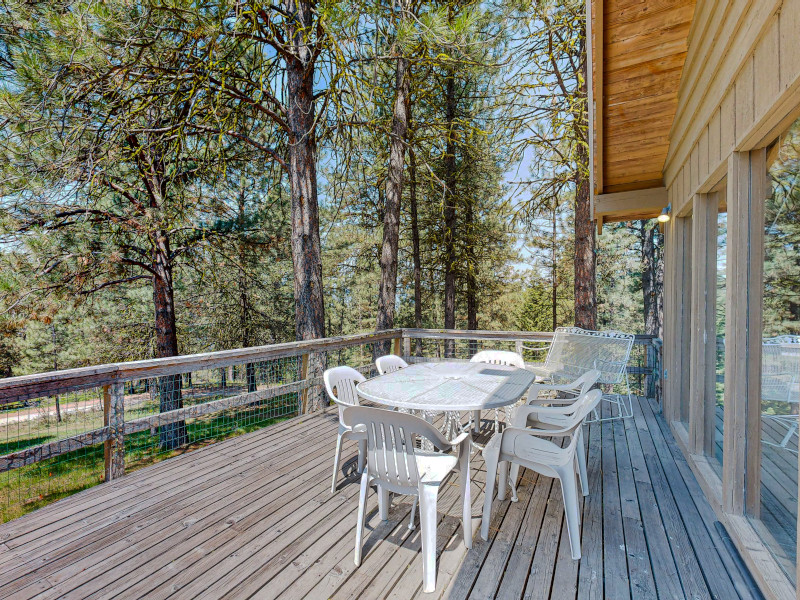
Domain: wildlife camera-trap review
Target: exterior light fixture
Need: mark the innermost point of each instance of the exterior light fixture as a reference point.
(664, 216)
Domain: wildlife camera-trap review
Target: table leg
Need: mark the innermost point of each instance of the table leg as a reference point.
(476, 422)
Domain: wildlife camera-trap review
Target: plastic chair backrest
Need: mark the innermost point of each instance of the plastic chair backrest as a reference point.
(575, 351)
(389, 364)
(520, 441)
(499, 357)
(584, 407)
(390, 444)
(587, 380)
(343, 380)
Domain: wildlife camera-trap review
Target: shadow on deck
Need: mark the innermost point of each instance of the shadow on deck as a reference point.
(253, 516)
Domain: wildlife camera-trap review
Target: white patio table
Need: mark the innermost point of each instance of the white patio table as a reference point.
(449, 387)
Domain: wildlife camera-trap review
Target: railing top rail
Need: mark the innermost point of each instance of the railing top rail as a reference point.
(469, 334)
(94, 376)
(41, 384)
(537, 336)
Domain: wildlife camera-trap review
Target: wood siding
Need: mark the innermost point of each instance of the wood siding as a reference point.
(740, 89)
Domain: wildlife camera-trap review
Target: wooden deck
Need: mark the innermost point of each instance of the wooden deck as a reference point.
(254, 517)
(778, 524)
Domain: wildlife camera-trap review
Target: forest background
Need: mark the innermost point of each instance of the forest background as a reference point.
(180, 177)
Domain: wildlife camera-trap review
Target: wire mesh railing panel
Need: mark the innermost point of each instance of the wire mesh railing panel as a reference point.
(58, 426)
(207, 405)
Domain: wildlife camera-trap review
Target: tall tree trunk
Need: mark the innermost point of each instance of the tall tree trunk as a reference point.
(472, 281)
(394, 192)
(172, 435)
(555, 272)
(652, 279)
(306, 247)
(244, 299)
(412, 172)
(450, 213)
(585, 261)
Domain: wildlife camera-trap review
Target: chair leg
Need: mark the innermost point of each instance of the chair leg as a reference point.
(362, 507)
(566, 475)
(427, 518)
(502, 480)
(336, 461)
(580, 454)
(466, 498)
(362, 455)
(383, 502)
(491, 475)
(792, 430)
(512, 481)
(413, 512)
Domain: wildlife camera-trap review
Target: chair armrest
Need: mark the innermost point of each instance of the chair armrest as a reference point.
(466, 435)
(463, 443)
(519, 420)
(556, 401)
(533, 391)
(525, 444)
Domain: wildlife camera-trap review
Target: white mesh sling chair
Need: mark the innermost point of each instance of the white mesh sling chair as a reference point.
(340, 384)
(520, 445)
(496, 357)
(389, 364)
(780, 383)
(396, 464)
(575, 351)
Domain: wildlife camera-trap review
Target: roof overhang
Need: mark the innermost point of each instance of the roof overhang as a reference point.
(629, 206)
(637, 53)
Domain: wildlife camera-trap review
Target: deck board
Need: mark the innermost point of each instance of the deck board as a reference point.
(253, 516)
(779, 490)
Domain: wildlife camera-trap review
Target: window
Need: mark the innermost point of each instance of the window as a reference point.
(719, 320)
(780, 353)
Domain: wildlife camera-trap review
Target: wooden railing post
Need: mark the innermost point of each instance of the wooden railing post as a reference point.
(114, 419)
(303, 376)
(397, 346)
(406, 346)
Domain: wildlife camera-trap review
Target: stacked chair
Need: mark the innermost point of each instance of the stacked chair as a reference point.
(523, 444)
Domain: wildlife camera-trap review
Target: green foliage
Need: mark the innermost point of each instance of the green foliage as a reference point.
(536, 313)
(781, 314)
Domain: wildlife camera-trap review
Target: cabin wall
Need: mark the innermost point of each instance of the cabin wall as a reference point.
(740, 89)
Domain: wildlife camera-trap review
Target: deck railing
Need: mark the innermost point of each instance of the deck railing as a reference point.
(64, 431)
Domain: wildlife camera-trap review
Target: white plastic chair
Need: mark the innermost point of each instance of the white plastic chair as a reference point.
(571, 390)
(389, 364)
(526, 447)
(395, 464)
(555, 417)
(344, 380)
(496, 357)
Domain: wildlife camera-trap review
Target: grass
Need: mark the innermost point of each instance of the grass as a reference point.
(25, 489)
